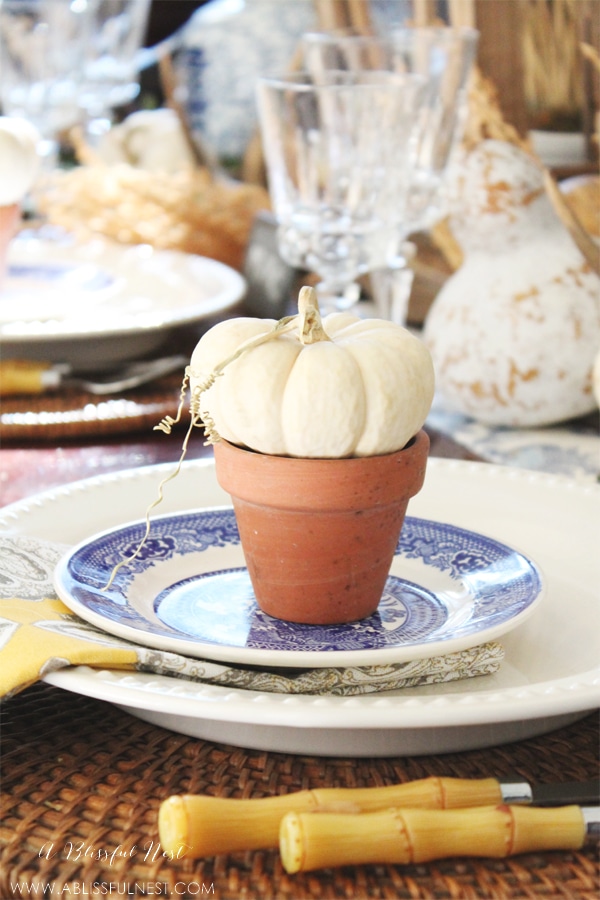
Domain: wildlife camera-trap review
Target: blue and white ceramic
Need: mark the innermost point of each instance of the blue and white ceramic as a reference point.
(188, 591)
(227, 44)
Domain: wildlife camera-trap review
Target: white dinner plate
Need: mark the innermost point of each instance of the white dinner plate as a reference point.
(550, 675)
(188, 591)
(100, 302)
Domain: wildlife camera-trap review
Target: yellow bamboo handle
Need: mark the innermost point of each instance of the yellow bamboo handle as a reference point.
(21, 377)
(196, 825)
(315, 841)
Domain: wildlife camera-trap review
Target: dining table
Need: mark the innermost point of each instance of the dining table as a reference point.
(93, 747)
(84, 778)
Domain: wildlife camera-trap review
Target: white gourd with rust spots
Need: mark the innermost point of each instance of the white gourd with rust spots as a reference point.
(514, 332)
(362, 388)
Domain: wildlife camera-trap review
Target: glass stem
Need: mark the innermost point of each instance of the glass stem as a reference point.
(391, 289)
(337, 297)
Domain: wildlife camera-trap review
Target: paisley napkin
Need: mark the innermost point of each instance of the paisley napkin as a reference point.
(39, 634)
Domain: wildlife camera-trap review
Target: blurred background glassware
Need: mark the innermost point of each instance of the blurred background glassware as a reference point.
(69, 62)
(444, 57)
(339, 155)
(41, 53)
(115, 31)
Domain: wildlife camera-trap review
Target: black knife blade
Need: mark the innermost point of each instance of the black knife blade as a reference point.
(581, 793)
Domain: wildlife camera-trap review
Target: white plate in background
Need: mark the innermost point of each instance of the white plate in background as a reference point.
(98, 303)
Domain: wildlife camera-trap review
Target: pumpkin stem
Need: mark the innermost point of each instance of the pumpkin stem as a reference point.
(311, 326)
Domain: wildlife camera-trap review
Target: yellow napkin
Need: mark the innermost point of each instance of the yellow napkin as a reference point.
(39, 634)
(44, 637)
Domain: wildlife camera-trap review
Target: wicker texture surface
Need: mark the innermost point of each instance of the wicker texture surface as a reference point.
(82, 783)
(77, 414)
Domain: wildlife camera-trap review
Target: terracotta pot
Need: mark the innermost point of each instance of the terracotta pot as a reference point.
(319, 535)
(9, 219)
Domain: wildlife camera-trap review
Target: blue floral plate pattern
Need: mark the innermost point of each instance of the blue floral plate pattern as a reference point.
(188, 592)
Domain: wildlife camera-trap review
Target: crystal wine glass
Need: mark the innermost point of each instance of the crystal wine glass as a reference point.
(444, 58)
(111, 59)
(339, 154)
(41, 54)
(69, 63)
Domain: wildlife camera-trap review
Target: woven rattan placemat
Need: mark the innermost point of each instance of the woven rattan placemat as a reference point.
(83, 780)
(77, 414)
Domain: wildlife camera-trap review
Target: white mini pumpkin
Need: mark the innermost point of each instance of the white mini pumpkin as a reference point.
(330, 388)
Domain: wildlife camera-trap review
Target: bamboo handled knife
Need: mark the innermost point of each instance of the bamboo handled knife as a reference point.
(21, 376)
(198, 825)
(405, 836)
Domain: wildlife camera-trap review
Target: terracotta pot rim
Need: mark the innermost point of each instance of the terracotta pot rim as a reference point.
(287, 482)
(415, 440)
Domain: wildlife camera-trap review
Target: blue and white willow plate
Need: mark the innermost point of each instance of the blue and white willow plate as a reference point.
(188, 592)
